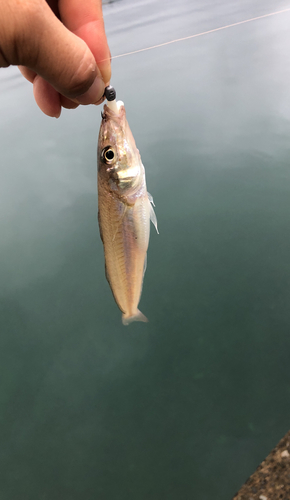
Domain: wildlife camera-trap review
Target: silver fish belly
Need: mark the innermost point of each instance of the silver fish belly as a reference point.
(125, 210)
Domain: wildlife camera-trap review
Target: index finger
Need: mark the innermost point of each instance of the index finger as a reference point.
(85, 19)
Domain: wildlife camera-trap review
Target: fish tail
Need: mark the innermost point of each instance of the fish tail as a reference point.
(127, 319)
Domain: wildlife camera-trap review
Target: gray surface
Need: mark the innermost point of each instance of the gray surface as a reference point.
(271, 480)
(188, 405)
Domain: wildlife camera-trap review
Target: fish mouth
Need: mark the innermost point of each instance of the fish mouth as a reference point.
(108, 114)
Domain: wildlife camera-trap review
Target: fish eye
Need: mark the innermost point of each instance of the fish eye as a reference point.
(108, 154)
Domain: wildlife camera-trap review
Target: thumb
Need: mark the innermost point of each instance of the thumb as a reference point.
(34, 37)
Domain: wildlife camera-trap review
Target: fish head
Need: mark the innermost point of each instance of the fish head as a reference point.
(119, 162)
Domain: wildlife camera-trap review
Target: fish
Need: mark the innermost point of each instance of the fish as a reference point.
(124, 210)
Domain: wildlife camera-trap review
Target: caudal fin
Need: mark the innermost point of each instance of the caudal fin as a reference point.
(126, 319)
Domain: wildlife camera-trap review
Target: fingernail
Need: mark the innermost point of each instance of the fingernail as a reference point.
(94, 94)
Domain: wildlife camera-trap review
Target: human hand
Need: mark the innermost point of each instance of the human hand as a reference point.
(60, 46)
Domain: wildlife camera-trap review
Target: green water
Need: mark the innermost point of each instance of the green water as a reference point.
(186, 406)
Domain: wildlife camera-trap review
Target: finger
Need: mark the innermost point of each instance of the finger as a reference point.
(44, 93)
(54, 7)
(27, 73)
(38, 40)
(46, 89)
(85, 19)
(46, 97)
(67, 103)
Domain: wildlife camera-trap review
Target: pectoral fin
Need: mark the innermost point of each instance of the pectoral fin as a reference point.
(153, 217)
(150, 198)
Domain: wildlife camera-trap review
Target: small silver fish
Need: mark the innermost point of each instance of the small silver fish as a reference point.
(125, 210)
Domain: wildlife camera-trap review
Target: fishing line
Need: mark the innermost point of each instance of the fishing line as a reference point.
(203, 33)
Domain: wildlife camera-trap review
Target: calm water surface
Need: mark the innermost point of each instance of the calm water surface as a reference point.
(187, 406)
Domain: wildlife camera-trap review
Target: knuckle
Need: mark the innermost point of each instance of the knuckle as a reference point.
(78, 82)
